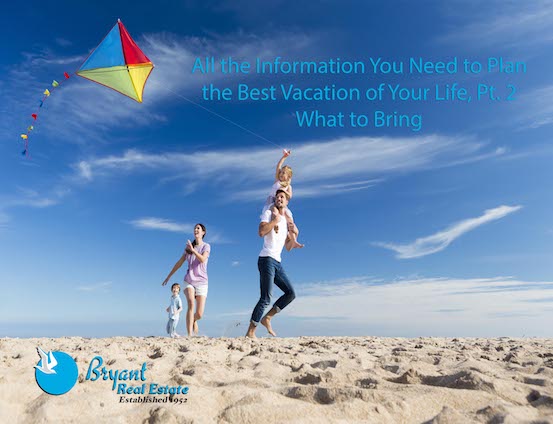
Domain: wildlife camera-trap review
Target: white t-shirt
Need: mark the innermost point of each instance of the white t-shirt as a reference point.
(274, 242)
(271, 199)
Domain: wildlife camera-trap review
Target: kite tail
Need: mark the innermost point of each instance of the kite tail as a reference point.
(47, 93)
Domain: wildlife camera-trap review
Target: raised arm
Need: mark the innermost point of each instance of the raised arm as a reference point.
(285, 154)
(175, 268)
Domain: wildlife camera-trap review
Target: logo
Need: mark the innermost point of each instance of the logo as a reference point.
(124, 384)
(56, 373)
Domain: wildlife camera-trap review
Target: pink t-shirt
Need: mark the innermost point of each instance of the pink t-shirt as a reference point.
(197, 271)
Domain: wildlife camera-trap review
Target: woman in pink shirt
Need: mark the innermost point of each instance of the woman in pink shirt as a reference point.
(197, 255)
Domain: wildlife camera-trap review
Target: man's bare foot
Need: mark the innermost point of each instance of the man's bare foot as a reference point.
(297, 245)
(195, 328)
(251, 331)
(266, 321)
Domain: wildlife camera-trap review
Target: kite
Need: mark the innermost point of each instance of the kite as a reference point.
(117, 63)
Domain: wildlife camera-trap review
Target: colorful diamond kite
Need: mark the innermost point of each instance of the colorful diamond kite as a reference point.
(118, 63)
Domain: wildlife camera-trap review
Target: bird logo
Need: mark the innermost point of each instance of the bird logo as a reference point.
(56, 373)
(47, 362)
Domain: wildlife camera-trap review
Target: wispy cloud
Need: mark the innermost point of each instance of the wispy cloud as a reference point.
(235, 263)
(49, 58)
(105, 286)
(33, 198)
(409, 306)
(162, 224)
(498, 23)
(536, 108)
(324, 167)
(4, 219)
(309, 190)
(29, 198)
(244, 312)
(541, 300)
(439, 241)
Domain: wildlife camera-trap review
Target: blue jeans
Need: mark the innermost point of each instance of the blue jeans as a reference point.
(271, 271)
(172, 325)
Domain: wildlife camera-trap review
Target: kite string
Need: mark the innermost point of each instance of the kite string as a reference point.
(220, 116)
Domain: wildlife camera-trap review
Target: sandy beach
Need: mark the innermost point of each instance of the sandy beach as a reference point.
(306, 379)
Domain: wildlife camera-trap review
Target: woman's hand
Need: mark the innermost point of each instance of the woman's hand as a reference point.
(286, 153)
(189, 246)
(165, 282)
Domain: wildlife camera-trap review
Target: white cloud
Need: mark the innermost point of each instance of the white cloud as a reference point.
(439, 241)
(33, 198)
(4, 219)
(324, 167)
(84, 170)
(96, 287)
(162, 224)
(428, 306)
(536, 108)
(30, 198)
(235, 263)
(506, 24)
(242, 313)
(63, 42)
(48, 58)
(309, 190)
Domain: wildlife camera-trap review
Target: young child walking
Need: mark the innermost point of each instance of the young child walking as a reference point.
(174, 311)
(283, 180)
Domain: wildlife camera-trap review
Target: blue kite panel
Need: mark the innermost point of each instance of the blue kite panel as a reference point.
(108, 53)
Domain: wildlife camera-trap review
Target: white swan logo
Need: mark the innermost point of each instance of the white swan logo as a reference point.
(56, 373)
(48, 362)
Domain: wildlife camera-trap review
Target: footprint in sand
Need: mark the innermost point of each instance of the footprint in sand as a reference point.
(326, 396)
(367, 383)
(537, 400)
(157, 354)
(161, 415)
(308, 378)
(323, 365)
(450, 416)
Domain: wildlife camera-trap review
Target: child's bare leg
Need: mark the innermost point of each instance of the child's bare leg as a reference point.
(295, 244)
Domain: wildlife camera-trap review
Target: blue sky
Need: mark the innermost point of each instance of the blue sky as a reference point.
(442, 232)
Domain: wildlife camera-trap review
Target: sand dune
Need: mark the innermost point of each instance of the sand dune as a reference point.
(306, 379)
